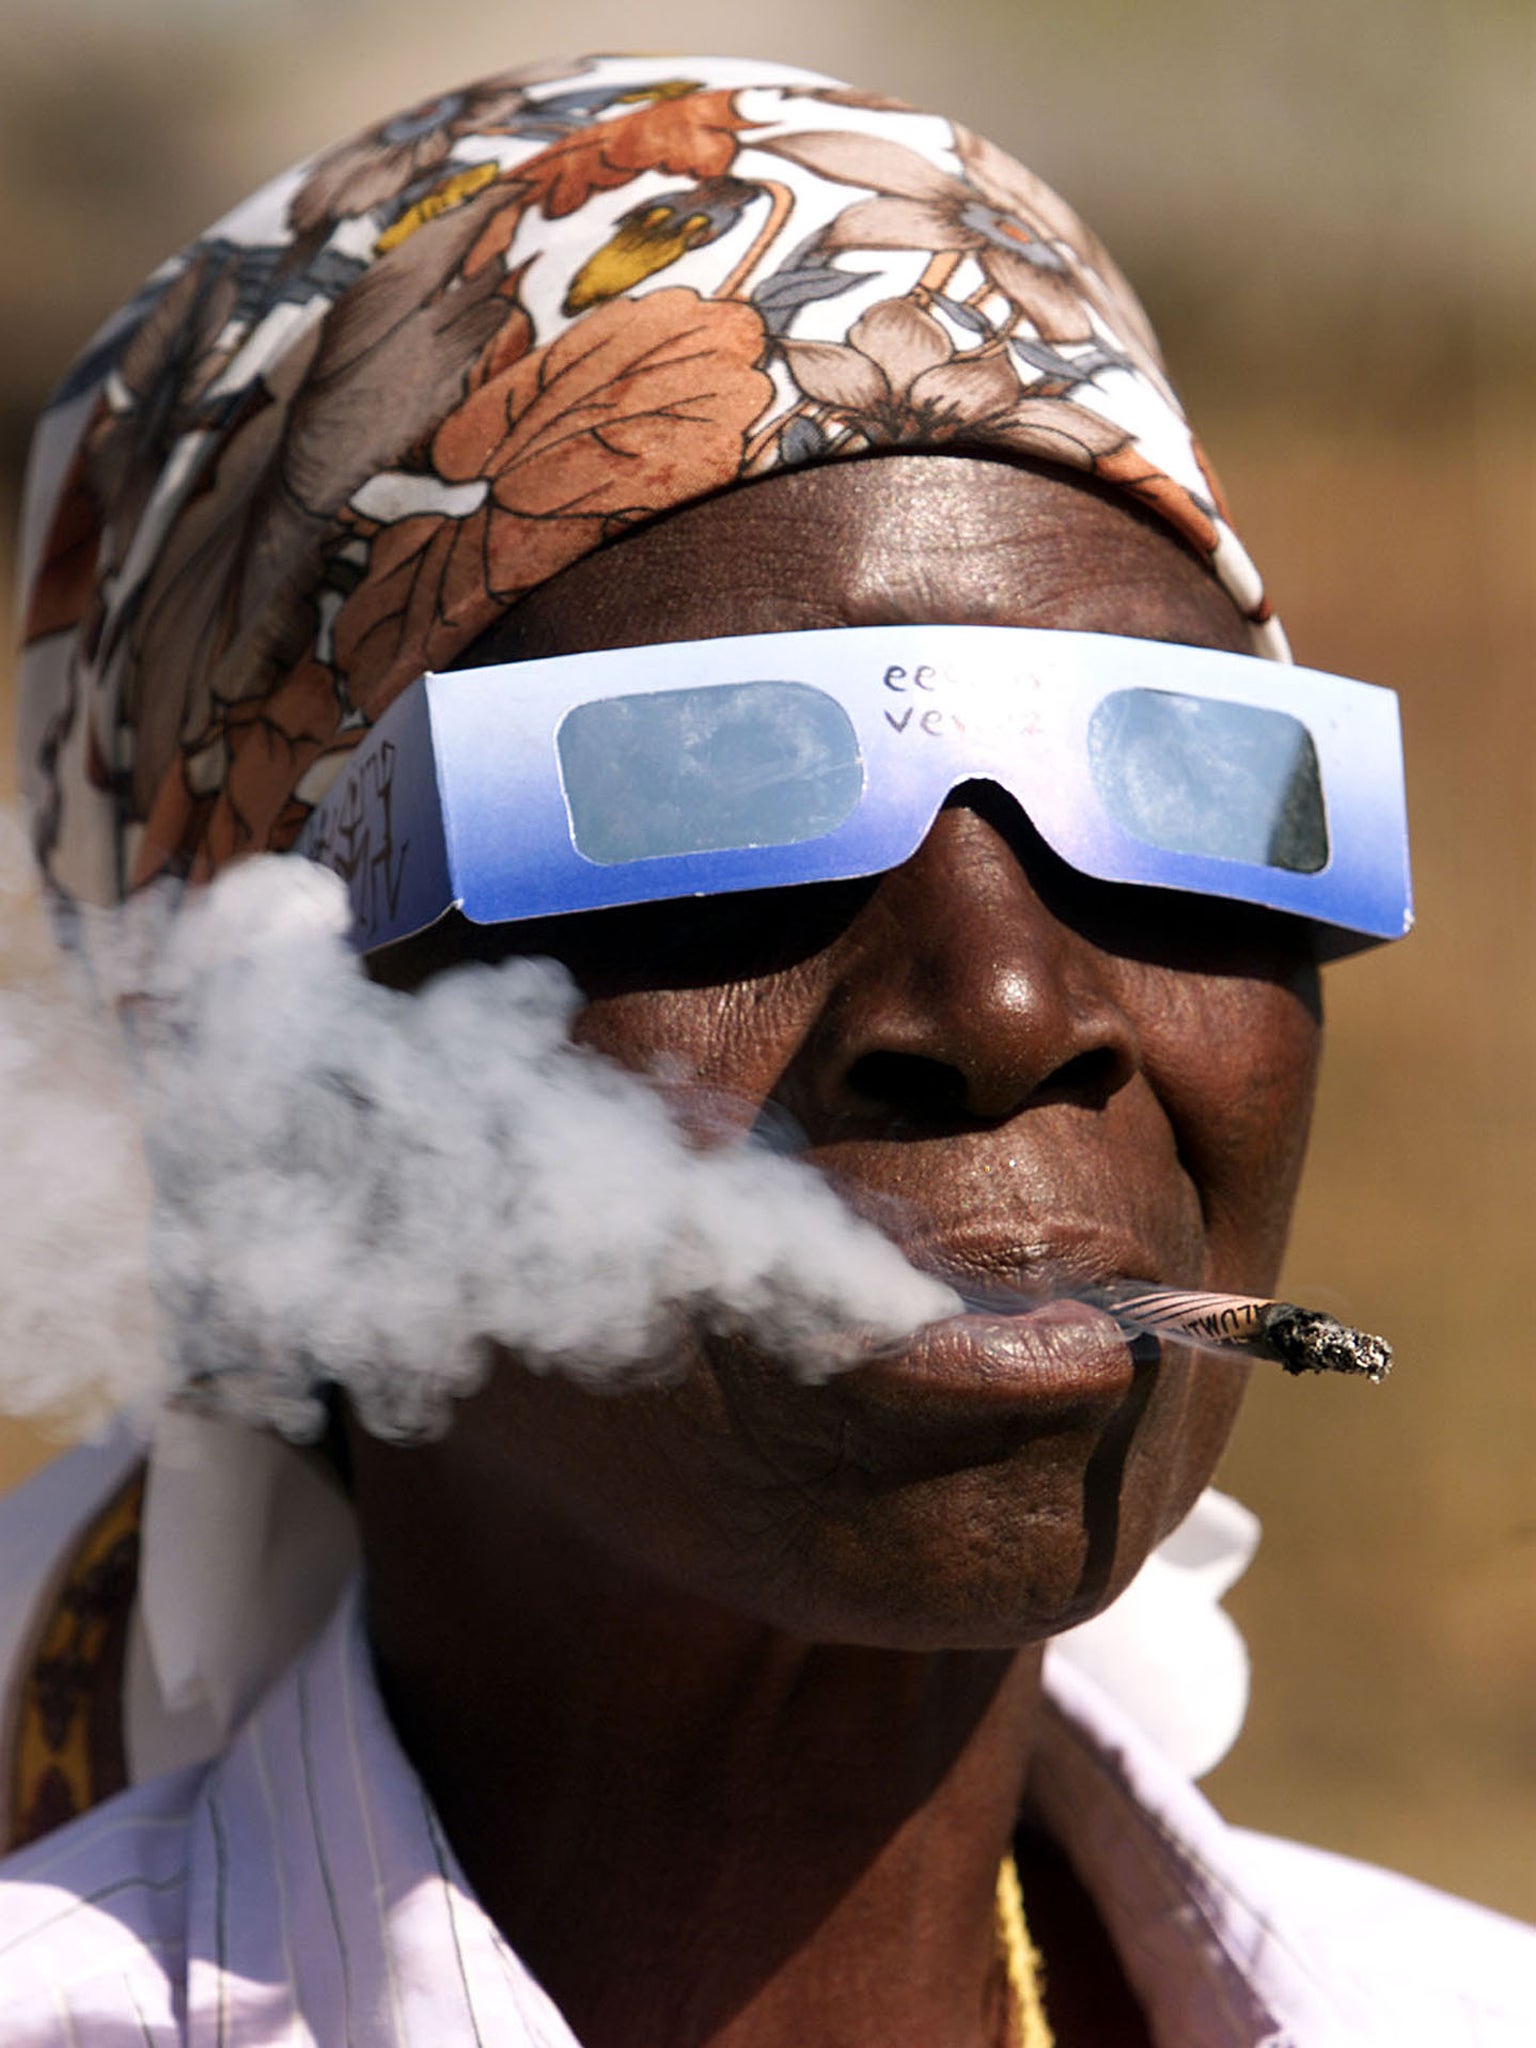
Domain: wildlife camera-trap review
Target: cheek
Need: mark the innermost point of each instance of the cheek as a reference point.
(1234, 1062)
(718, 1051)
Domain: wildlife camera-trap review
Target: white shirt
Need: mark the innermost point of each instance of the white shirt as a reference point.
(298, 1890)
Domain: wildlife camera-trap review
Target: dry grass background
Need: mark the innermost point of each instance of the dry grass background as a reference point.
(1325, 206)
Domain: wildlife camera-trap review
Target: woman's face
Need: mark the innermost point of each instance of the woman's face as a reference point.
(1022, 1070)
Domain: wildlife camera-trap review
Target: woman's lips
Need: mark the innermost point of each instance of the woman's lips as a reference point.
(972, 1391)
(1050, 1361)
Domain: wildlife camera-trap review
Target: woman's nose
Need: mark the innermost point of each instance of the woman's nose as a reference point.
(962, 995)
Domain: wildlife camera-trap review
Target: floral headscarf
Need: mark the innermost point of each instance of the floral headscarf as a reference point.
(331, 441)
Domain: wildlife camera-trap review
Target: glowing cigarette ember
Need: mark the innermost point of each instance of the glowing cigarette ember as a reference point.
(1299, 1339)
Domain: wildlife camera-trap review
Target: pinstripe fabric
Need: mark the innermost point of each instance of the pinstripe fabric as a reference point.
(93, 1930)
(298, 1893)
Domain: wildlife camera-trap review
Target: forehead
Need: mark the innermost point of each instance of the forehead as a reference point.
(895, 540)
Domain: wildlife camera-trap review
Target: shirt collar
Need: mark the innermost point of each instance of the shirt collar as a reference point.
(1206, 1954)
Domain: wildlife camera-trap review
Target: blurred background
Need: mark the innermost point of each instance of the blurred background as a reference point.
(1327, 206)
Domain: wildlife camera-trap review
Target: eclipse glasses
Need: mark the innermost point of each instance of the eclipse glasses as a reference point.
(763, 761)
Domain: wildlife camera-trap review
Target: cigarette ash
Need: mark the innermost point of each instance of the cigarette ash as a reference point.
(1304, 1340)
(358, 1187)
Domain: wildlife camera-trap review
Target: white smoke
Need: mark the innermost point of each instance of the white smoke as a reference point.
(78, 1325)
(359, 1186)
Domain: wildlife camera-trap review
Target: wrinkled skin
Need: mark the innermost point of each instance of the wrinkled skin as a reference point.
(1021, 1068)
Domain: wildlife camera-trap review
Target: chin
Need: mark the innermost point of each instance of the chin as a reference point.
(952, 1524)
(988, 1559)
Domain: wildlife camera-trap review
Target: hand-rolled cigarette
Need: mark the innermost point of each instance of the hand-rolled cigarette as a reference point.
(1299, 1339)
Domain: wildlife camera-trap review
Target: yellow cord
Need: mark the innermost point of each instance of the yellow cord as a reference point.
(1026, 1969)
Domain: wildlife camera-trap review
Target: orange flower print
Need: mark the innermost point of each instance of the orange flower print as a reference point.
(693, 136)
(641, 405)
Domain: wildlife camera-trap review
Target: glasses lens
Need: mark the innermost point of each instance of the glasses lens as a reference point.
(1197, 775)
(701, 771)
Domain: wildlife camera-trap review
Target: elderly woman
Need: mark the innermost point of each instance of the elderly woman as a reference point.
(716, 1711)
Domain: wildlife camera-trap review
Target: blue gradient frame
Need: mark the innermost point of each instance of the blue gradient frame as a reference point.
(454, 799)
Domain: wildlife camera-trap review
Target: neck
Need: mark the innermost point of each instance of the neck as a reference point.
(695, 1829)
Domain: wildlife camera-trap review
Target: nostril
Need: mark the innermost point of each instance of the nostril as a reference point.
(1088, 1079)
(911, 1084)
(920, 1089)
